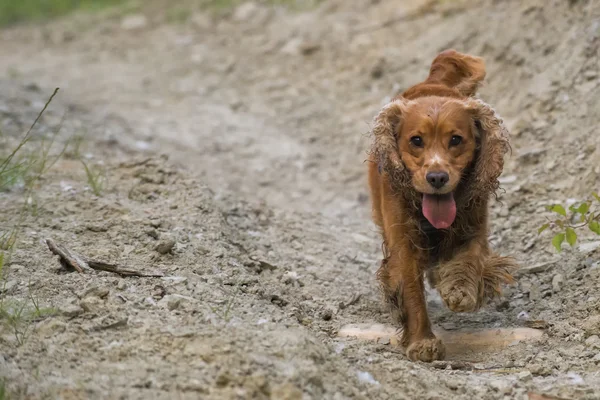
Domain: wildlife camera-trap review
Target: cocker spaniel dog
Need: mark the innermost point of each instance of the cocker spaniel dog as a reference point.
(435, 161)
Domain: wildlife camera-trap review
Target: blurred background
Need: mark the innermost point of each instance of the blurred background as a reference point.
(261, 216)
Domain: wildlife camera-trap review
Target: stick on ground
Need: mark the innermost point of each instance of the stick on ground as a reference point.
(70, 260)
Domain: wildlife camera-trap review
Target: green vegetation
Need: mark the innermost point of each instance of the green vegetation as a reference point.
(16, 11)
(565, 227)
(24, 167)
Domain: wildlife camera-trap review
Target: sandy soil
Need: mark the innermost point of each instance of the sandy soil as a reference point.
(234, 146)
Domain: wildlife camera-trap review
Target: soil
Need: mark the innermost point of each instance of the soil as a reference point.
(234, 145)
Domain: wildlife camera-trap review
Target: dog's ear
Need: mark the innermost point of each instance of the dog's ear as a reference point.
(493, 144)
(386, 128)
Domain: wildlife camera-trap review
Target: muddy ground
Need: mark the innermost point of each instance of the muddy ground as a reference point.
(234, 147)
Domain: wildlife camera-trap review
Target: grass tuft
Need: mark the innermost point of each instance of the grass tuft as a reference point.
(19, 11)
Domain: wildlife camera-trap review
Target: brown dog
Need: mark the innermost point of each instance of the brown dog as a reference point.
(436, 158)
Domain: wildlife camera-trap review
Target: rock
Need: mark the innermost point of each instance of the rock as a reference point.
(535, 293)
(589, 246)
(378, 69)
(300, 46)
(539, 370)
(8, 286)
(557, 282)
(384, 341)
(71, 310)
(593, 341)
(172, 302)
(94, 291)
(91, 304)
(534, 269)
(531, 156)
(500, 386)
(134, 22)
(51, 327)
(201, 21)
(245, 12)
(286, 391)
(165, 246)
(525, 376)
(326, 315)
(591, 325)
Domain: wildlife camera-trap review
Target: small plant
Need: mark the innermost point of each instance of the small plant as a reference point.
(583, 215)
(96, 178)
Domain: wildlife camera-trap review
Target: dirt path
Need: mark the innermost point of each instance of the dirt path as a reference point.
(263, 114)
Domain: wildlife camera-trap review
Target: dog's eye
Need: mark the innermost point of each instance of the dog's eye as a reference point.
(455, 140)
(417, 141)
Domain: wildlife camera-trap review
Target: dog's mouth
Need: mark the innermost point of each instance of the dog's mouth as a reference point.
(439, 209)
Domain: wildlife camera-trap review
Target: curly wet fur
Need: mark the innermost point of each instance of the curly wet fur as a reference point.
(457, 260)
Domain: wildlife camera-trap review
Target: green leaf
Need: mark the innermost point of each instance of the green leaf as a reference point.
(543, 228)
(571, 237)
(583, 208)
(596, 196)
(595, 227)
(560, 223)
(557, 241)
(557, 208)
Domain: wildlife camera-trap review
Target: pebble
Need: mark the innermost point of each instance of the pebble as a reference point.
(591, 325)
(165, 246)
(557, 282)
(525, 376)
(134, 22)
(589, 247)
(50, 327)
(593, 341)
(539, 370)
(71, 310)
(90, 304)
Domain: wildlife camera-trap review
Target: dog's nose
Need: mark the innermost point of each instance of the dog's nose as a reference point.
(437, 179)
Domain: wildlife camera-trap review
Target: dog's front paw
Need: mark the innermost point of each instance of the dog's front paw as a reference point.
(426, 350)
(460, 297)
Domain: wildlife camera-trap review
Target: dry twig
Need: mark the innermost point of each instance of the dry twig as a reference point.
(71, 260)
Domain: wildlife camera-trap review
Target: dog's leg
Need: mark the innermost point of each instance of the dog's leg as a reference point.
(404, 292)
(472, 277)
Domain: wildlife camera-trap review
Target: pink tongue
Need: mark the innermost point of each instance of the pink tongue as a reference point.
(440, 210)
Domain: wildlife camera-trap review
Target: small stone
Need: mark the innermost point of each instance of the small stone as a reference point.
(326, 315)
(531, 156)
(134, 22)
(245, 12)
(378, 69)
(122, 284)
(153, 233)
(71, 310)
(593, 341)
(165, 246)
(535, 293)
(8, 286)
(307, 48)
(286, 391)
(384, 340)
(589, 247)
(95, 291)
(539, 370)
(51, 327)
(591, 325)
(557, 282)
(172, 302)
(91, 304)
(500, 386)
(590, 75)
(525, 376)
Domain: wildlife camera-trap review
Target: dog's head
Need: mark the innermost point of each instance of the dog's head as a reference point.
(437, 146)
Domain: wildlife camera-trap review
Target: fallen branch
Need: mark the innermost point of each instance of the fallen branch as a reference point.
(66, 258)
(72, 261)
